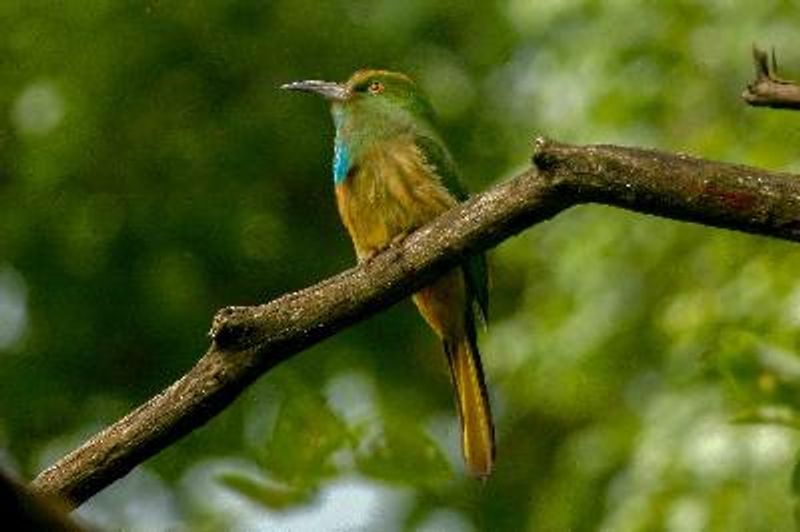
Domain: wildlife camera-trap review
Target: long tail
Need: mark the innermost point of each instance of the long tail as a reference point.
(477, 429)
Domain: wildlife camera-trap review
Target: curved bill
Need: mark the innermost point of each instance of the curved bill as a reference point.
(327, 89)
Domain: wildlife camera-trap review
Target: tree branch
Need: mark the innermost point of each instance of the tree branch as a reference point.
(768, 90)
(249, 341)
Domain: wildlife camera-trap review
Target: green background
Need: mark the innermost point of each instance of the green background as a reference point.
(644, 373)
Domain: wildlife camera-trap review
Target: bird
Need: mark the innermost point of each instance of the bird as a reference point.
(392, 174)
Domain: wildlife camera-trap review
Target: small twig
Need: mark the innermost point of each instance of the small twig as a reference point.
(249, 341)
(769, 90)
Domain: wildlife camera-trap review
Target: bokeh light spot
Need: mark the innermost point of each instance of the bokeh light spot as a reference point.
(38, 109)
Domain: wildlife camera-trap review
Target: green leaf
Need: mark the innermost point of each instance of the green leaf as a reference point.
(271, 494)
(402, 452)
(306, 434)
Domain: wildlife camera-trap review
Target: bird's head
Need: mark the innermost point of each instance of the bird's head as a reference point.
(378, 101)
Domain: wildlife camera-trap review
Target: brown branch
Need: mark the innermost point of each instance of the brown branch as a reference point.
(768, 90)
(249, 341)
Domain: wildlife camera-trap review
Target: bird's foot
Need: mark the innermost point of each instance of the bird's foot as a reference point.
(372, 253)
(368, 256)
(399, 237)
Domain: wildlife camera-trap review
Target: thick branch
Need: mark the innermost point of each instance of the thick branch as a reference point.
(768, 90)
(249, 341)
(677, 186)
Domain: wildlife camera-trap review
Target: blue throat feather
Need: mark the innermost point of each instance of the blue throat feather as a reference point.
(341, 153)
(341, 161)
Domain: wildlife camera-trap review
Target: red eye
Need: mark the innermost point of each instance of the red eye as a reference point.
(376, 87)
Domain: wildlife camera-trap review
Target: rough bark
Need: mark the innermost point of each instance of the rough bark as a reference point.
(248, 341)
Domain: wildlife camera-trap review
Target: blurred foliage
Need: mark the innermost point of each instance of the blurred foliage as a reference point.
(644, 373)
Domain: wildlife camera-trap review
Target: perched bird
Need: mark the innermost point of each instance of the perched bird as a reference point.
(393, 174)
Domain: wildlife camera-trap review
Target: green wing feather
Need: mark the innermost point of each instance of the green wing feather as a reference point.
(475, 269)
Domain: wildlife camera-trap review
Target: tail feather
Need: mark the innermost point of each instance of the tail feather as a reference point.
(477, 429)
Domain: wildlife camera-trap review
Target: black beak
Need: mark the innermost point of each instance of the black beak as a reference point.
(327, 89)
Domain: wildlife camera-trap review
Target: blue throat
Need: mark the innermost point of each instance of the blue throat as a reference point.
(341, 153)
(341, 160)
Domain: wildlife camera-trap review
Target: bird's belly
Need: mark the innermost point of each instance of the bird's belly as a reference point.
(389, 197)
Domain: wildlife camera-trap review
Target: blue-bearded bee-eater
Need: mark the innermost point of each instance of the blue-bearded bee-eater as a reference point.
(393, 174)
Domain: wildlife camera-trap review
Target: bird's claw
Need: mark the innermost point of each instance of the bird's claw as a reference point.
(371, 254)
(399, 237)
(367, 258)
